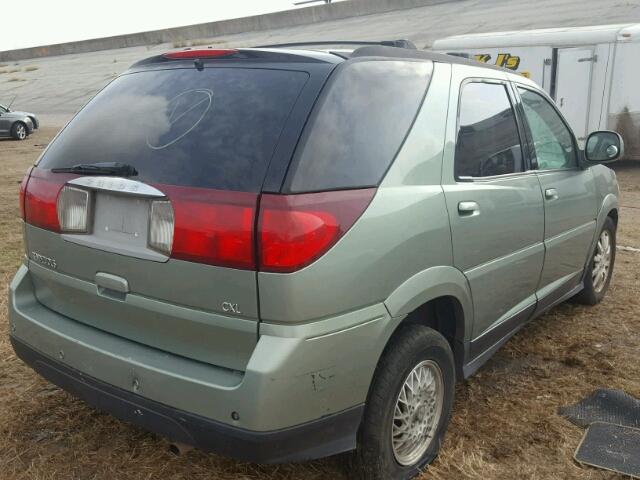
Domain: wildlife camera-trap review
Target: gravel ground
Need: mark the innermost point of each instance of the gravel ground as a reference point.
(504, 425)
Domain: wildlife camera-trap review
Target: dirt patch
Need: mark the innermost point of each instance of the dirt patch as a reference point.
(504, 424)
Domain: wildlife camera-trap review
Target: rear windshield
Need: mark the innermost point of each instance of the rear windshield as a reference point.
(359, 124)
(215, 128)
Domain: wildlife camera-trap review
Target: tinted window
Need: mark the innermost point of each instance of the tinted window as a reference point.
(358, 125)
(215, 128)
(552, 139)
(488, 142)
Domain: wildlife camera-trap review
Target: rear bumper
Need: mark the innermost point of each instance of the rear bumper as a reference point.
(300, 397)
(316, 439)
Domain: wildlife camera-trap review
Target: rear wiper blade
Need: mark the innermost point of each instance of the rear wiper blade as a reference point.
(106, 168)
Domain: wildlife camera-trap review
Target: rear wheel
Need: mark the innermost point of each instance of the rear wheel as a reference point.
(600, 269)
(19, 131)
(408, 407)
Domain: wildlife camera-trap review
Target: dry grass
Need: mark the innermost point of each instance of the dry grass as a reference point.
(16, 79)
(32, 68)
(504, 425)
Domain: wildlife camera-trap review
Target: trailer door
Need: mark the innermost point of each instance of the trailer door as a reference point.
(573, 85)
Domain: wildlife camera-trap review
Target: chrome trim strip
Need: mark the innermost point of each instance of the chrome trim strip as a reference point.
(118, 185)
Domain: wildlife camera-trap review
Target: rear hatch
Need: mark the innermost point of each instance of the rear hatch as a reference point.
(161, 251)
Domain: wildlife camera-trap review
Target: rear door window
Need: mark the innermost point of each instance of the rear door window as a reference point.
(488, 142)
(216, 128)
(358, 125)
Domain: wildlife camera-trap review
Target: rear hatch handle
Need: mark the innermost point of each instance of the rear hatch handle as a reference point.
(112, 286)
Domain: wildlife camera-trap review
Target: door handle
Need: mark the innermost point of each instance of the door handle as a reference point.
(551, 194)
(468, 209)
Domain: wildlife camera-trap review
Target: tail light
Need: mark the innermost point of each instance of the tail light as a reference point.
(218, 227)
(47, 203)
(40, 200)
(296, 230)
(23, 191)
(73, 209)
(213, 226)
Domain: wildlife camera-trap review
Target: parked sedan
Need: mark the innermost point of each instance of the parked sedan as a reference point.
(16, 124)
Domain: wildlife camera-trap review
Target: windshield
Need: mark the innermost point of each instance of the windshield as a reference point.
(215, 128)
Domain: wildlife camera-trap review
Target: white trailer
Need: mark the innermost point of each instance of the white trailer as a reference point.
(593, 73)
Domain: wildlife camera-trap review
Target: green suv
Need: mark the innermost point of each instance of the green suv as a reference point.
(279, 255)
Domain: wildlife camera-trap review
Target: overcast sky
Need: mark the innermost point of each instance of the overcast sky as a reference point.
(42, 22)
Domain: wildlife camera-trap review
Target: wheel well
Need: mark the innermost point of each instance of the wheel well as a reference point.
(613, 214)
(446, 316)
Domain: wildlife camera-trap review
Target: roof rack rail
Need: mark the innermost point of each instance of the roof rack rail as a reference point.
(387, 43)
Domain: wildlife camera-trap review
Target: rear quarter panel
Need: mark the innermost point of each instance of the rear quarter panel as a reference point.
(405, 230)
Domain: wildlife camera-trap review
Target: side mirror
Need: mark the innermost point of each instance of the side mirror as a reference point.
(604, 147)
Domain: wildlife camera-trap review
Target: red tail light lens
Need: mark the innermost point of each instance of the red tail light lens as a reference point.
(41, 199)
(296, 230)
(200, 53)
(218, 227)
(213, 226)
(23, 191)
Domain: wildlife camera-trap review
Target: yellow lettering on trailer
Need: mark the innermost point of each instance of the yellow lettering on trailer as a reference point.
(512, 63)
(482, 57)
(502, 59)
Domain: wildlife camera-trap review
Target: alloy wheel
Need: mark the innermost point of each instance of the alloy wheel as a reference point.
(601, 262)
(417, 412)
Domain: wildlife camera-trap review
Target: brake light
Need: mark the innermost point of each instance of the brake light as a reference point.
(23, 191)
(40, 199)
(296, 230)
(213, 226)
(200, 53)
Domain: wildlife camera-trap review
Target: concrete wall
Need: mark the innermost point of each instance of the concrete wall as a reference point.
(270, 21)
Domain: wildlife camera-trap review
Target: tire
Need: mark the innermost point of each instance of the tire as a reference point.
(19, 131)
(595, 286)
(414, 350)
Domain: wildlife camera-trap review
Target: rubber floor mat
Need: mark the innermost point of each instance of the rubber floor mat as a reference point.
(604, 405)
(611, 447)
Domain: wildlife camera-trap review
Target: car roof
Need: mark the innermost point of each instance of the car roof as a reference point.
(271, 55)
(330, 56)
(393, 52)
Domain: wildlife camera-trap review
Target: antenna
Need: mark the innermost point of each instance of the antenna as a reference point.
(14, 99)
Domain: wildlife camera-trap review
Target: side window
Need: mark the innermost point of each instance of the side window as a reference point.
(358, 125)
(552, 139)
(488, 142)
